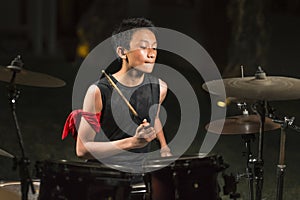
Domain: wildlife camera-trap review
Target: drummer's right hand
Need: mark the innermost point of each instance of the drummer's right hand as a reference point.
(144, 134)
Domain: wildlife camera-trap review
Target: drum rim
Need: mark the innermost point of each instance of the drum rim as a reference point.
(76, 163)
(170, 161)
(84, 169)
(183, 157)
(16, 182)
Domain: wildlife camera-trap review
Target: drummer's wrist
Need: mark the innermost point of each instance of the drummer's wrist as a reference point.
(165, 149)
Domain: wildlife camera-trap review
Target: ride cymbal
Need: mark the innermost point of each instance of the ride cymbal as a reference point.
(29, 78)
(241, 124)
(252, 88)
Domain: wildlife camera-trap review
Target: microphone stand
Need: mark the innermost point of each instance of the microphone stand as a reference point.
(26, 181)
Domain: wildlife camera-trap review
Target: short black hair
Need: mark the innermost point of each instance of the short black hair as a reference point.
(122, 34)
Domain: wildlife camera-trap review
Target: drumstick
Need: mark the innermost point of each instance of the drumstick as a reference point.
(120, 93)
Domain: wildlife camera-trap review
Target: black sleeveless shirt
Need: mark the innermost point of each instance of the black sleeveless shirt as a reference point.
(117, 121)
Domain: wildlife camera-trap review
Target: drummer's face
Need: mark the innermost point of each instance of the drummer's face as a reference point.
(142, 53)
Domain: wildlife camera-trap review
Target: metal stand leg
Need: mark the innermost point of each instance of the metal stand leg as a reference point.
(281, 166)
(23, 163)
(280, 178)
(261, 109)
(287, 122)
(249, 173)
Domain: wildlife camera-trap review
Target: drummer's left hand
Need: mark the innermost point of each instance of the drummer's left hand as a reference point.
(165, 151)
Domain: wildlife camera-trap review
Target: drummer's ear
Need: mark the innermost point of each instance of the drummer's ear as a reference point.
(121, 51)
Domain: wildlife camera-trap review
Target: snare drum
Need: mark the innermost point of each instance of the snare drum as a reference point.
(189, 177)
(80, 180)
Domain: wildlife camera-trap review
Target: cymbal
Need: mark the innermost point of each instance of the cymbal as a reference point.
(249, 88)
(6, 154)
(29, 78)
(6, 194)
(241, 124)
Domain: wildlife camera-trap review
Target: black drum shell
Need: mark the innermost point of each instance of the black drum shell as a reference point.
(80, 180)
(189, 177)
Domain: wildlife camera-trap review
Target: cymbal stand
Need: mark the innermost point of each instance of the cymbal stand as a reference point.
(287, 122)
(260, 108)
(247, 139)
(249, 174)
(243, 106)
(14, 93)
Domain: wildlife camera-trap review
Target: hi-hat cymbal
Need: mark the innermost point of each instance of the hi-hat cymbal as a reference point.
(241, 124)
(29, 78)
(248, 88)
(5, 154)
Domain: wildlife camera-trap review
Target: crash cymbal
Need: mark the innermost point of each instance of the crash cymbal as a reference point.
(241, 124)
(29, 78)
(5, 154)
(270, 88)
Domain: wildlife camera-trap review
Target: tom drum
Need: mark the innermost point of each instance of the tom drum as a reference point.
(189, 177)
(79, 180)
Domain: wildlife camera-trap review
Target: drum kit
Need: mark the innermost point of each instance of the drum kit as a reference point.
(189, 177)
(258, 90)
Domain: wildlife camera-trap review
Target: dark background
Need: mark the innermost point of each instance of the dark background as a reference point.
(47, 34)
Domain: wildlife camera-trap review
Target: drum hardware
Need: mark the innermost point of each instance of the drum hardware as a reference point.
(249, 164)
(281, 167)
(140, 191)
(260, 108)
(15, 74)
(230, 186)
(140, 187)
(246, 125)
(147, 181)
(20, 76)
(23, 162)
(243, 106)
(261, 88)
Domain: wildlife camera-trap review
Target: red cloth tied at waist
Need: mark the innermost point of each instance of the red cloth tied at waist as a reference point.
(73, 120)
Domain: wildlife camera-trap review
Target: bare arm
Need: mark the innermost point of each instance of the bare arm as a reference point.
(86, 147)
(165, 151)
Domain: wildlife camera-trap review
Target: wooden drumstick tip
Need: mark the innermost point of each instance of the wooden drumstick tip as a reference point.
(144, 122)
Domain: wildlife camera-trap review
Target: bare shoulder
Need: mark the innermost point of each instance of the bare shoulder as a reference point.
(93, 90)
(163, 89)
(92, 100)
